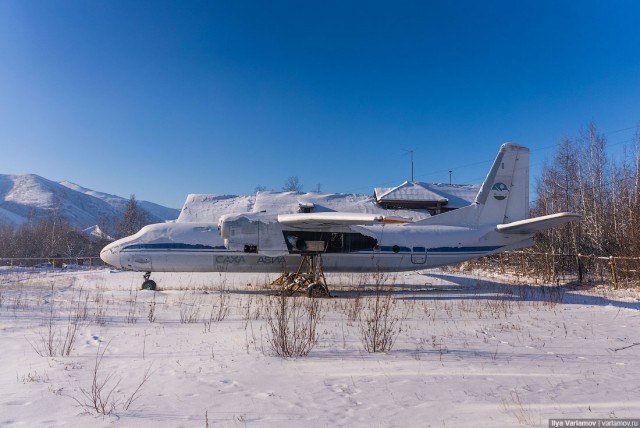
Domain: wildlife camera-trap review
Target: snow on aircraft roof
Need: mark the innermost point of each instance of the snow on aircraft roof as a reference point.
(451, 195)
(290, 202)
(209, 208)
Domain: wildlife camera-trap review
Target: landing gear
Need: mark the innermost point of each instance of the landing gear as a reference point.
(318, 289)
(148, 284)
(309, 278)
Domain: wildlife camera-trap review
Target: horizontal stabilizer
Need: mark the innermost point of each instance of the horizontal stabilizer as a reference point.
(338, 219)
(537, 224)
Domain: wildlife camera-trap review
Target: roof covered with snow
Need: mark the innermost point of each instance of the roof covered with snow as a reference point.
(449, 195)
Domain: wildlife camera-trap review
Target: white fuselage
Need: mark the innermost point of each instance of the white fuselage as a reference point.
(198, 247)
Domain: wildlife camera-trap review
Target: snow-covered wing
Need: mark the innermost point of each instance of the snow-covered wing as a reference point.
(537, 224)
(338, 219)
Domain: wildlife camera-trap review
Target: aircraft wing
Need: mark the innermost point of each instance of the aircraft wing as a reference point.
(338, 219)
(537, 224)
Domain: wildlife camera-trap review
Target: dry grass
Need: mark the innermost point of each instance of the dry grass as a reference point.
(292, 323)
(102, 397)
(378, 322)
(58, 341)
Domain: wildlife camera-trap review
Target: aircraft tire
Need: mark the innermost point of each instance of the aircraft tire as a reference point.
(149, 284)
(317, 290)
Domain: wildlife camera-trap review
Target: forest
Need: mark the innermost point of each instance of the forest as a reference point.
(53, 237)
(583, 177)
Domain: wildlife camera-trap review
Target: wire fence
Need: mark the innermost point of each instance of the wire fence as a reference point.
(577, 269)
(52, 262)
(541, 267)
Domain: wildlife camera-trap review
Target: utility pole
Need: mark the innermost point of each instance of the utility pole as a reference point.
(411, 165)
(450, 176)
(411, 152)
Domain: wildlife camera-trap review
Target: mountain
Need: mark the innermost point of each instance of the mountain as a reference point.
(157, 211)
(29, 196)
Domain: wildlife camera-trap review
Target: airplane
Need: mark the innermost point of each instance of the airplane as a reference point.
(312, 243)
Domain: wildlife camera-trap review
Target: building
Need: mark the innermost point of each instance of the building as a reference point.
(434, 197)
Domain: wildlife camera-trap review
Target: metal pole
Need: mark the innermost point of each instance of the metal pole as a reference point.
(612, 261)
(412, 165)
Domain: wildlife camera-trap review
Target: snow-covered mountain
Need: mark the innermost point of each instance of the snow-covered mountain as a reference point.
(157, 211)
(29, 196)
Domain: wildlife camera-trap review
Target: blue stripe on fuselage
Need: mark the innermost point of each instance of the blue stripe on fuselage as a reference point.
(171, 246)
(384, 249)
(463, 249)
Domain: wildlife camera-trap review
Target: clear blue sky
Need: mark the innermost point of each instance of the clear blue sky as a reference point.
(161, 99)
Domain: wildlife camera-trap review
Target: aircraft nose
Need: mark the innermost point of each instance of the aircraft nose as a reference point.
(110, 255)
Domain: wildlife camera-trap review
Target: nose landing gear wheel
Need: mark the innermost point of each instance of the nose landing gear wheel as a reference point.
(148, 284)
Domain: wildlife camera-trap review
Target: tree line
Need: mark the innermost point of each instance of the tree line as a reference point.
(53, 236)
(584, 178)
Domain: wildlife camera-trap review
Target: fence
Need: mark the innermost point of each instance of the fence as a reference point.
(543, 267)
(564, 268)
(54, 262)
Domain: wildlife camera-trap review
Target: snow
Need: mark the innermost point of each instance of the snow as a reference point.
(30, 190)
(120, 203)
(23, 197)
(8, 217)
(454, 195)
(209, 208)
(289, 203)
(96, 232)
(472, 351)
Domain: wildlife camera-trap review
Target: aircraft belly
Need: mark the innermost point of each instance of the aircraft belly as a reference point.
(368, 262)
(248, 262)
(168, 261)
(173, 261)
(233, 261)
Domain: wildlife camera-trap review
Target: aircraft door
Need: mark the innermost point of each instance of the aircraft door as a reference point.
(419, 255)
(140, 262)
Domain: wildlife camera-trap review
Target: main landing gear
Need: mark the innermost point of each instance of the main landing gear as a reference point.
(308, 279)
(148, 284)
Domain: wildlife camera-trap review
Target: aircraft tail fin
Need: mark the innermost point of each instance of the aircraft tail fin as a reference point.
(503, 196)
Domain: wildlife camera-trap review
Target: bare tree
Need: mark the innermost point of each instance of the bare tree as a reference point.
(558, 190)
(292, 184)
(583, 178)
(133, 220)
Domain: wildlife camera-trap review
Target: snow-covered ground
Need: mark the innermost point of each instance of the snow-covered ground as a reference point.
(470, 351)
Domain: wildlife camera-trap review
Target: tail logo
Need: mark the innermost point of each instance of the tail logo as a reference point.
(500, 191)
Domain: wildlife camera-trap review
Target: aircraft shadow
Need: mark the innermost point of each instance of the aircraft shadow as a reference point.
(488, 289)
(443, 286)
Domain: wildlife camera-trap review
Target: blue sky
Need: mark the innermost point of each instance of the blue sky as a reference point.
(161, 99)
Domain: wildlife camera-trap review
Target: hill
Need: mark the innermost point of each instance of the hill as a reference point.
(31, 197)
